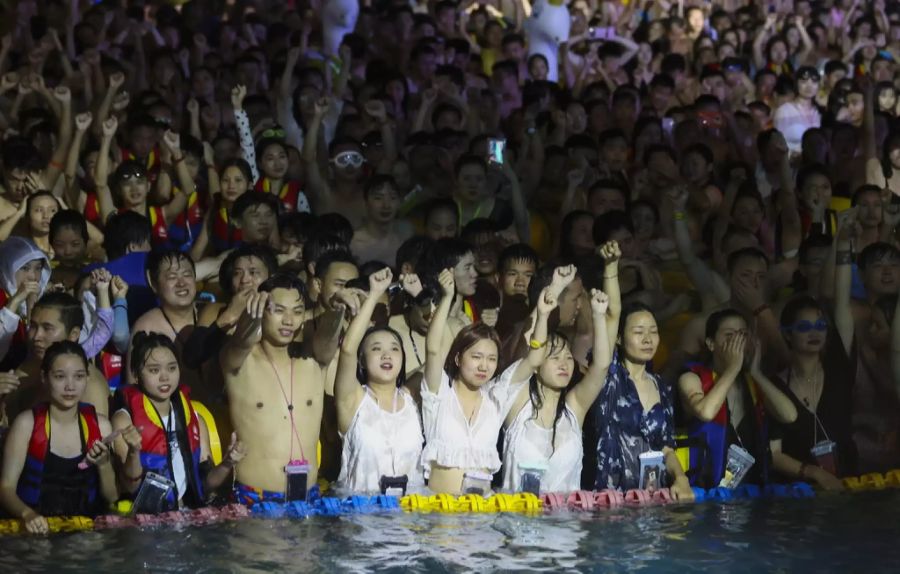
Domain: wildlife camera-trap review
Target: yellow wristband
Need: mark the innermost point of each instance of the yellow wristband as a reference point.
(679, 216)
(535, 344)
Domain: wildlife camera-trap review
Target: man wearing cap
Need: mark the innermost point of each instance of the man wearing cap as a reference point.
(793, 118)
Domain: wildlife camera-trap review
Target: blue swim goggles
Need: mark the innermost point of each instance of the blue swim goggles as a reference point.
(806, 326)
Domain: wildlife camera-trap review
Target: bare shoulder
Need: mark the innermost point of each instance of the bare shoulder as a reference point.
(151, 321)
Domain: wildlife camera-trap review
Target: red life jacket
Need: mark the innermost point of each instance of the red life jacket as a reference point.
(225, 236)
(158, 229)
(29, 487)
(288, 195)
(189, 222)
(155, 455)
(92, 209)
(110, 365)
(715, 433)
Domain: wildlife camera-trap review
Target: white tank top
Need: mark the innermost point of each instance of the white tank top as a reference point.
(528, 442)
(454, 442)
(380, 443)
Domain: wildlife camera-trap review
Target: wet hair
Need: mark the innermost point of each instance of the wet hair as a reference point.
(298, 223)
(59, 349)
(19, 153)
(715, 320)
(320, 245)
(438, 204)
(336, 224)
(68, 219)
(378, 181)
(608, 223)
(862, 190)
(262, 252)
(37, 195)
(517, 252)
(412, 250)
(362, 374)
(324, 263)
(746, 253)
(445, 253)
(254, 199)
(469, 336)
(145, 342)
(266, 143)
(155, 261)
(609, 184)
(810, 243)
(285, 281)
(129, 167)
(702, 150)
(71, 314)
(556, 343)
(876, 252)
(123, 230)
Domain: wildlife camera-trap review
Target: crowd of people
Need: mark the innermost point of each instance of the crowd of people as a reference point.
(394, 246)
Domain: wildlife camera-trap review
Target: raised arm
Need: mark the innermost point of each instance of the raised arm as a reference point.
(895, 347)
(435, 354)
(348, 392)
(55, 167)
(73, 191)
(585, 393)
(104, 195)
(611, 255)
(843, 276)
(778, 405)
(247, 333)
(712, 290)
(178, 202)
(242, 121)
(807, 43)
(317, 184)
(520, 211)
(704, 407)
(759, 43)
(116, 81)
(376, 110)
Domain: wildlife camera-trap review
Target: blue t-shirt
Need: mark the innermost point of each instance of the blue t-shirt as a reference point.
(130, 267)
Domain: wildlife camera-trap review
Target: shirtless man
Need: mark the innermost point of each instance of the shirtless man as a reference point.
(339, 189)
(382, 233)
(275, 398)
(56, 317)
(171, 275)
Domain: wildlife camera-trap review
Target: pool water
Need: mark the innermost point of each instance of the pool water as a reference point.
(839, 533)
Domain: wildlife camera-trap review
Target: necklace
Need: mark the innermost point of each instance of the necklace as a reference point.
(288, 402)
(171, 325)
(810, 387)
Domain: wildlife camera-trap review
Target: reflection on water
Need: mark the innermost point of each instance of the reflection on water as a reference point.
(855, 533)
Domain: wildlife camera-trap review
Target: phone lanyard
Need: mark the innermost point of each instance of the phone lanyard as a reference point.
(414, 346)
(289, 403)
(817, 424)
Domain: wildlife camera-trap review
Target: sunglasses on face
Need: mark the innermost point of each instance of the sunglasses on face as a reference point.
(348, 159)
(133, 175)
(806, 326)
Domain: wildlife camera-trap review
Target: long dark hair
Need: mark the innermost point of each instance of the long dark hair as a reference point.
(142, 345)
(362, 374)
(557, 343)
(59, 349)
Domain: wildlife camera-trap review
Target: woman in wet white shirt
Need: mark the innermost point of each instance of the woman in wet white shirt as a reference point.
(543, 429)
(377, 416)
(463, 406)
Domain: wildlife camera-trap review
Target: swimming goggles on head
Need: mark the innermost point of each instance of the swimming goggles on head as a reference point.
(348, 159)
(807, 326)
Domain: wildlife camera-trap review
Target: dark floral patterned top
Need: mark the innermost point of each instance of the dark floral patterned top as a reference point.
(625, 430)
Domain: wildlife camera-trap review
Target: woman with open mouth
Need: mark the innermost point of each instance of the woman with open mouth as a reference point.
(377, 415)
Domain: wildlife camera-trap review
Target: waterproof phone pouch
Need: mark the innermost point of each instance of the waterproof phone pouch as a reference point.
(297, 472)
(476, 483)
(825, 453)
(652, 469)
(736, 466)
(530, 475)
(393, 485)
(153, 494)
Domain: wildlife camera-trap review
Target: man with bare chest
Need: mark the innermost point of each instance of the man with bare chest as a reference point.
(275, 397)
